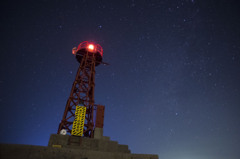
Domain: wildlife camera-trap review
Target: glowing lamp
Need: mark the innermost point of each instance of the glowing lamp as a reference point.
(91, 47)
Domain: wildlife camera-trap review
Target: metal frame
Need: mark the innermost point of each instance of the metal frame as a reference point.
(82, 93)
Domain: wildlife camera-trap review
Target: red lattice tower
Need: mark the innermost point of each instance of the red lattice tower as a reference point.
(89, 55)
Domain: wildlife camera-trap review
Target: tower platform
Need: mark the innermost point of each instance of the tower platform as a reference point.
(72, 147)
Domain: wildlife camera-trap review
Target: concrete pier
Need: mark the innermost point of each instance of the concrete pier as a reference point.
(72, 147)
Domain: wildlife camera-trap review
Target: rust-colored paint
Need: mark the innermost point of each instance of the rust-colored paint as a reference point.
(82, 92)
(100, 116)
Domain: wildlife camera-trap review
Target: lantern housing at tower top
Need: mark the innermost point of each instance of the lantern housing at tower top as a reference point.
(88, 47)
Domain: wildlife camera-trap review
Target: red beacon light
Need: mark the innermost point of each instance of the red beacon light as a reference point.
(88, 48)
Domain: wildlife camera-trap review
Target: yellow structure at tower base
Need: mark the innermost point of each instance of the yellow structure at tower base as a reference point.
(78, 123)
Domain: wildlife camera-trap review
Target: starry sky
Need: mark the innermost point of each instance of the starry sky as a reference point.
(172, 87)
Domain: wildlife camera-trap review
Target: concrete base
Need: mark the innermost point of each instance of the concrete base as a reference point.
(75, 142)
(98, 133)
(71, 147)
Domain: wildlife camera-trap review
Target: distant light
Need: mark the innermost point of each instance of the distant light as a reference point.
(91, 47)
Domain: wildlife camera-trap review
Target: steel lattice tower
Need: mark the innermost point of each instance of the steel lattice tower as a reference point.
(89, 56)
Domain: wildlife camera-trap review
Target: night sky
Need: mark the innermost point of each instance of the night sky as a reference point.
(172, 87)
